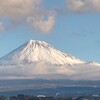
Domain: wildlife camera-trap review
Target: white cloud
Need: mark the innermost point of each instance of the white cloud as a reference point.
(42, 24)
(18, 11)
(2, 28)
(49, 71)
(17, 8)
(29, 70)
(83, 5)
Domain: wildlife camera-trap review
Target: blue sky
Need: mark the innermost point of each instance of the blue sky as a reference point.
(72, 26)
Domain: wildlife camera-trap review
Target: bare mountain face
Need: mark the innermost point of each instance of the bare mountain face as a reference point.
(37, 51)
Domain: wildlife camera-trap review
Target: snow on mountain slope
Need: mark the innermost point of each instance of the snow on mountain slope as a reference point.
(37, 51)
(93, 63)
(39, 60)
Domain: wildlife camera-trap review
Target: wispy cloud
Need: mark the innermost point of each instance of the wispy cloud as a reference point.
(43, 23)
(83, 5)
(19, 11)
(2, 28)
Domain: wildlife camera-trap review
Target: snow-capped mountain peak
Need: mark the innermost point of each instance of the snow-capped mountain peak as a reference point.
(39, 60)
(37, 51)
(93, 63)
(34, 43)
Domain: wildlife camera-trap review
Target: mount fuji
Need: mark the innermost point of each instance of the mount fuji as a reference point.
(39, 60)
(36, 51)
